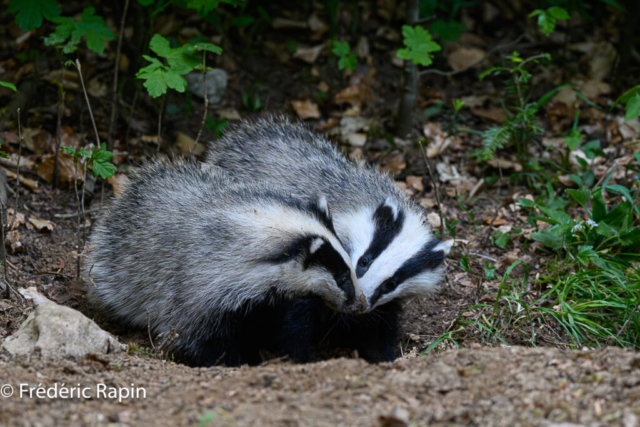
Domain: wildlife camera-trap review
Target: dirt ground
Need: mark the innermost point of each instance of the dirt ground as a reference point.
(478, 386)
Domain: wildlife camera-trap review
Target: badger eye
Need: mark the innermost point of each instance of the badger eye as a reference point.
(390, 285)
(364, 262)
(342, 281)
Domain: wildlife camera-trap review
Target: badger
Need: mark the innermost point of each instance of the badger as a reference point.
(386, 235)
(184, 250)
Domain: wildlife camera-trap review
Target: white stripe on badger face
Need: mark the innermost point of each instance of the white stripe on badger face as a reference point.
(315, 244)
(411, 239)
(356, 230)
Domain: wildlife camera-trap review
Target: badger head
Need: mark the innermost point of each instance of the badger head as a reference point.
(395, 253)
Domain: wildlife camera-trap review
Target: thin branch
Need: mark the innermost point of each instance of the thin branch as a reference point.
(4, 253)
(436, 190)
(114, 99)
(153, 346)
(61, 94)
(160, 114)
(206, 101)
(86, 96)
(75, 214)
(473, 64)
(627, 321)
(75, 186)
(15, 209)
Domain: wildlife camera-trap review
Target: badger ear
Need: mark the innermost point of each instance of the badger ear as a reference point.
(445, 246)
(315, 244)
(320, 207)
(388, 212)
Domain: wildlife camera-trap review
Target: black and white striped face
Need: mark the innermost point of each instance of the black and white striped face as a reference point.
(315, 262)
(394, 252)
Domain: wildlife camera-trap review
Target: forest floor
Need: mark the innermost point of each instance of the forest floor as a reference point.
(536, 380)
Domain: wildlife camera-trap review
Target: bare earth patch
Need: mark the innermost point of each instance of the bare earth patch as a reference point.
(479, 386)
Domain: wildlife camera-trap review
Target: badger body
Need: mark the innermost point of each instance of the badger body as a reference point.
(386, 235)
(186, 249)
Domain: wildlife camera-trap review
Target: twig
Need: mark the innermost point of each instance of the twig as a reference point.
(4, 253)
(114, 99)
(15, 209)
(23, 170)
(160, 114)
(91, 277)
(483, 256)
(613, 168)
(75, 186)
(436, 190)
(86, 96)
(56, 172)
(495, 216)
(75, 214)
(627, 321)
(206, 101)
(153, 346)
(473, 64)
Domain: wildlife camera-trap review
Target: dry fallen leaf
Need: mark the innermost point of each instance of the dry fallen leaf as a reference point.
(38, 140)
(69, 82)
(13, 241)
(306, 109)
(42, 224)
(394, 164)
(433, 219)
(427, 202)
(185, 144)
(348, 95)
(66, 169)
(415, 182)
(495, 114)
(308, 54)
(19, 219)
(119, 182)
(230, 114)
(28, 182)
(356, 139)
(465, 56)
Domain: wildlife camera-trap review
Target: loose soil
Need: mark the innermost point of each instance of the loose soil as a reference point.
(477, 386)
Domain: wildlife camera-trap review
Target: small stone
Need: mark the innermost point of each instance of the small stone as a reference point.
(216, 84)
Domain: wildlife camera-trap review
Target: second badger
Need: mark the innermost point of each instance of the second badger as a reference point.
(186, 249)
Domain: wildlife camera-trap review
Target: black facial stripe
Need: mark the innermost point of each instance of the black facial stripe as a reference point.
(426, 259)
(322, 216)
(329, 258)
(295, 249)
(387, 228)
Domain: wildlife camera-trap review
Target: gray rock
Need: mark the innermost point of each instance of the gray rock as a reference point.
(216, 84)
(57, 331)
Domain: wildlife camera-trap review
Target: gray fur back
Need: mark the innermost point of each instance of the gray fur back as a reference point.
(301, 161)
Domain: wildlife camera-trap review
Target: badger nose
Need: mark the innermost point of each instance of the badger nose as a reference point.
(363, 304)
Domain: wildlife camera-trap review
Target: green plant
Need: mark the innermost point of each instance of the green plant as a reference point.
(418, 45)
(99, 159)
(631, 99)
(181, 60)
(521, 127)
(30, 13)
(8, 85)
(547, 18)
(251, 101)
(217, 126)
(343, 51)
(69, 32)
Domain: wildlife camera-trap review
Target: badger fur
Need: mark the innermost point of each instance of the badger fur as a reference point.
(186, 249)
(387, 236)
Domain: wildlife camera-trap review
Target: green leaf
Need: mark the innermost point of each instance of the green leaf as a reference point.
(581, 196)
(637, 156)
(501, 239)
(418, 45)
(585, 254)
(341, 48)
(548, 239)
(626, 97)
(448, 30)
(103, 170)
(464, 263)
(158, 77)
(69, 150)
(203, 7)
(181, 60)
(242, 21)
(558, 13)
(29, 13)
(573, 140)
(93, 27)
(8, 85)
(209, 47)
(489, 272)
(633, 108)
(349, 61)
(458, 104)
(536, 13)
(547, 23)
